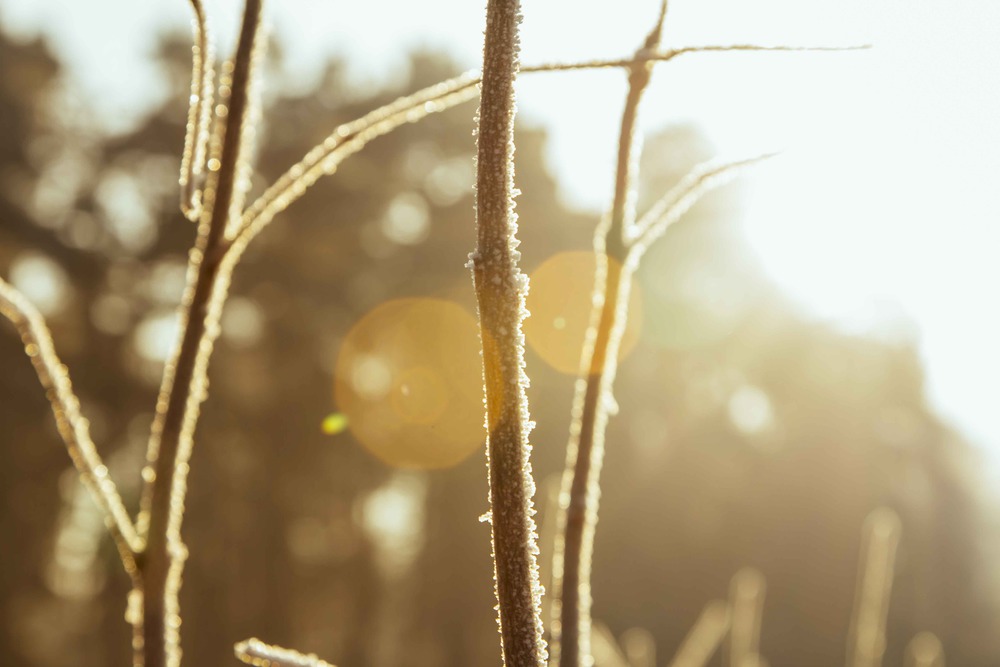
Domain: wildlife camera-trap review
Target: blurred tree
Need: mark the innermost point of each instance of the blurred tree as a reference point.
(746, 436)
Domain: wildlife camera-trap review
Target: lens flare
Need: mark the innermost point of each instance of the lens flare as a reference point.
(409, 383)
(560, 304)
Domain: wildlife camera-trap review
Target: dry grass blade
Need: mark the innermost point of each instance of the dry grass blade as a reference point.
(199, 115)
(673, 205)
(255, 652)
(73, 427)
(747, 604)
(866, 639)
(704, 638)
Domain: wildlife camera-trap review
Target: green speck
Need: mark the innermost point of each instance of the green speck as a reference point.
(334, 423)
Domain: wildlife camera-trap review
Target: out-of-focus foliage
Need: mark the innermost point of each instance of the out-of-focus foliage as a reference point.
(746, 436)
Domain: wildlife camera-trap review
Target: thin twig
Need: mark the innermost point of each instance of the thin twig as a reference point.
(183, 388)
(672, 206)
(347, 140)
(351, 137)
(255, 652)
(500, 291)
(199, 115)
(580, 497)
(73, 427)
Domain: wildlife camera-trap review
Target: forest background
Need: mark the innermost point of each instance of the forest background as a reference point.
(750, 434)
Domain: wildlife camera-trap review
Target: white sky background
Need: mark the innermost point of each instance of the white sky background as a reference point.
(883, 214)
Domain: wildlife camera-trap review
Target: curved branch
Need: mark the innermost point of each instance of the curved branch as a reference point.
(347, 140)
(673, 205)
(199, 115)
(73, 427)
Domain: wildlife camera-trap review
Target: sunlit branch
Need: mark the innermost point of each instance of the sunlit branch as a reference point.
(501, 288)
(257, 653)
(73, 427)
(580, 496)
(705, 636)
(650, 55)
(351, 137)
(199, 115)
(348, 139)
(184, 382)
(673, 205)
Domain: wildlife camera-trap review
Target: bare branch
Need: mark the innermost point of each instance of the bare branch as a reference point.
(347, 140)
(199, 115)
(580, 497)
(73, 427)
(255, 652)
(184, 380)
(500, 291)
(673, 205)
(747, 605)
(644, 56)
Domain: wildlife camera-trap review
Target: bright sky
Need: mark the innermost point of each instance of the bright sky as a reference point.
(880, 216)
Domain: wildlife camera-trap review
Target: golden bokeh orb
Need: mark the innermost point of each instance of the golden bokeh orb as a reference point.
(560, 302)
(409, 383)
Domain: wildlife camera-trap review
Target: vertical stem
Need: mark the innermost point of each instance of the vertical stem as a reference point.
(500, 291)
(156, 643)
(571, 612)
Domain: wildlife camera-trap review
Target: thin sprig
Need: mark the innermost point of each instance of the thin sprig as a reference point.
(196, 136)
(73, 427)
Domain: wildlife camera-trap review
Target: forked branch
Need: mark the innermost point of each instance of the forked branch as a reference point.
(73, 427)
(183, 388)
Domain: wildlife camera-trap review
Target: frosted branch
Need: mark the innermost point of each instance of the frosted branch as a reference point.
(500, 292)
(257, 653)
(679, 200)
(348, 139)
(647, 55)
(73, 427)
(199, 115)
(184, 385)
(580, 497)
